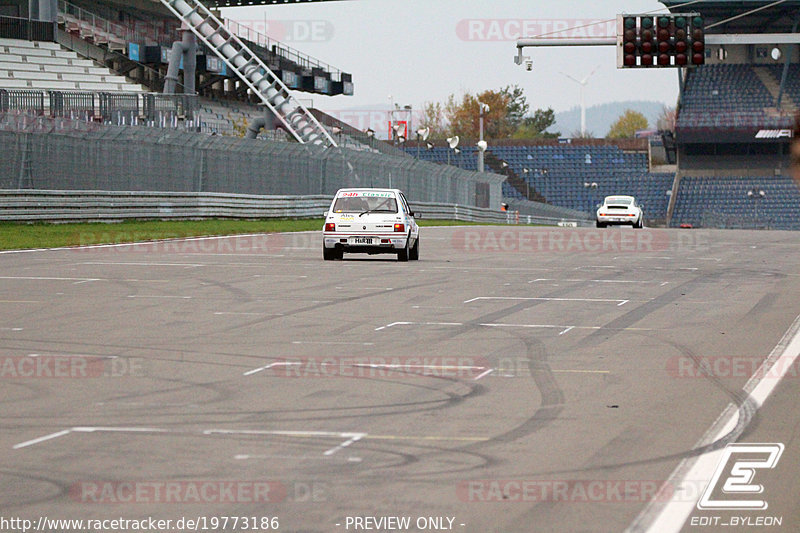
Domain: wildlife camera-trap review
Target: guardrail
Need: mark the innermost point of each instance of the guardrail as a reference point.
(24, 205)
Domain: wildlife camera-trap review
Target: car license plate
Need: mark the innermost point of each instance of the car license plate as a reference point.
(361, 240)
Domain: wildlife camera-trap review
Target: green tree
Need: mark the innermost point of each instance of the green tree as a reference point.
(517, 106)
(534, 126)
(433, 117)
(627, 125)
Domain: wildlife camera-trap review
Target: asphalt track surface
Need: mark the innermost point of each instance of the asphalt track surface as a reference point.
(513, 379)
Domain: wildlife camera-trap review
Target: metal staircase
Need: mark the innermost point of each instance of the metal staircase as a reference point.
(297, 120)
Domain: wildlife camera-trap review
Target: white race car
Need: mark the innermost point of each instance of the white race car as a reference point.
(370, 221)
(619, 210)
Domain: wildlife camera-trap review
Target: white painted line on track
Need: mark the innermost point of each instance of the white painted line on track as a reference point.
(467, 268)
(604, 300)
(160, 296)
(86, 430)
(271, 365)
(44, 278)
(149, 264)
(565, 328)
(670, 516)
(433, 367)
(41, 439)
(236, 313)
(11, 329)
(34, 355)
(484, 374)
(351, 437)
(366, 288)
(335, 343)
(387, 326)
(595, 281)
(355, 438)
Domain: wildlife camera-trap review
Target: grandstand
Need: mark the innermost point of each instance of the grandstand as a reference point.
(83, 73)
(574, 175)
(107, 61)
(734, 122)
(731, 137)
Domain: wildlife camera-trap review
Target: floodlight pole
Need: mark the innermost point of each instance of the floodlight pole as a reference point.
(483, 108)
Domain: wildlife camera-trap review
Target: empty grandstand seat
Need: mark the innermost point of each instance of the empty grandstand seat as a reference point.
(42, 65)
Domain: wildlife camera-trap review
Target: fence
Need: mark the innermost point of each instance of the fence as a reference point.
(49, 154)
(161, 110)
(26, 29)
(107, 206)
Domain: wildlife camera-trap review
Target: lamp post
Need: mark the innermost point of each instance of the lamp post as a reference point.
(483, 110)
(452, 142)
(482, 146)
(525, 172)
(370, 135)
(757, 195)
(591, 187)
(422, 135)
(337, 131)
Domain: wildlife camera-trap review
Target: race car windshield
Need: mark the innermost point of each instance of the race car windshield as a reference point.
(365, 204)
(618, 201)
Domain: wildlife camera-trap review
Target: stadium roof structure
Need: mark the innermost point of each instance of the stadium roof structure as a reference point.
(779, 18)
(243, 3)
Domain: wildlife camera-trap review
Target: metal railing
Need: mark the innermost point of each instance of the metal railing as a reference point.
(100, 30)
(105, 206)
(26, 29)
(109, 108)
(286, 52)
(45, 153)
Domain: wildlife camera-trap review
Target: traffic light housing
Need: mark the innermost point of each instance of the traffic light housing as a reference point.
(669, 40)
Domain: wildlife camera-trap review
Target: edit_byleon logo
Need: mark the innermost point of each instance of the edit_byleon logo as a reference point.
(733, 486)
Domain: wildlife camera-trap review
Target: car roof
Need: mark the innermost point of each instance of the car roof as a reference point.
(620, 196)
(354, 189)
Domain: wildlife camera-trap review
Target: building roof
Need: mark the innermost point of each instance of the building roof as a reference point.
(780, 18)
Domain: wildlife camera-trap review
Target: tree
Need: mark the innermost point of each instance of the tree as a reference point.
(465, 117)
(433, 117)
(627, 125)
(534, 126)
(507, 116)
(667, 118)
(517, 106)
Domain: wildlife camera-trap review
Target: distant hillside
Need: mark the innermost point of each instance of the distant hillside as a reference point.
(600, 118)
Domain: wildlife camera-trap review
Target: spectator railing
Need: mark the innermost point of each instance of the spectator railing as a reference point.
(110, 108)
(26, 29)
(99, 30)
(279, 49)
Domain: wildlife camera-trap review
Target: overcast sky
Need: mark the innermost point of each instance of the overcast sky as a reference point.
(424, 50)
